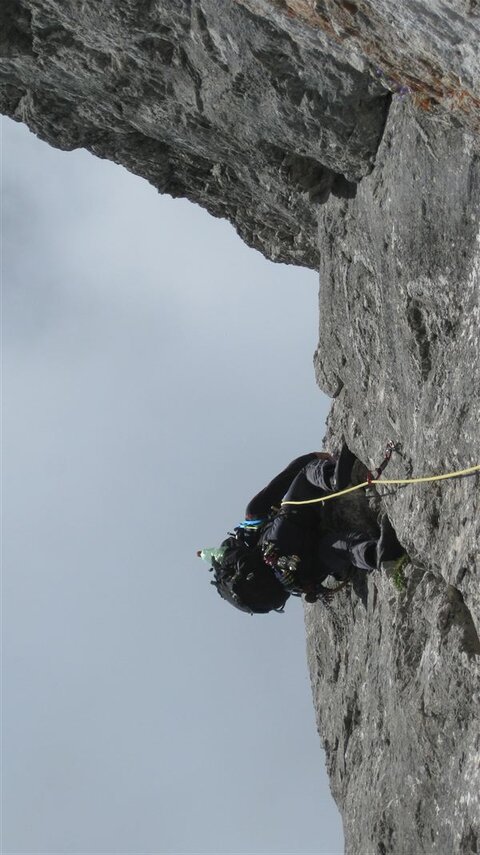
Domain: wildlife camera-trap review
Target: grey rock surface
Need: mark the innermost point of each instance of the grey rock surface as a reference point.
(429, 48)
(396, 679)
(205, 99)
(286, 116)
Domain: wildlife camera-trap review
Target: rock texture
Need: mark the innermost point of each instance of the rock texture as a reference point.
(206, 99)
(360, 118)
(396, 680)
(429, 48)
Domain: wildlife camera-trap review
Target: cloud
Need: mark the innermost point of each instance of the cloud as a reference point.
(157, 373)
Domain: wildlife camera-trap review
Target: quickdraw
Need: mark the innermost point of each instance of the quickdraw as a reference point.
(375, 475)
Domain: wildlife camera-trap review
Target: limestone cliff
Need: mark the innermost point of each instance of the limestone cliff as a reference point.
(342, 135)
(396, 681)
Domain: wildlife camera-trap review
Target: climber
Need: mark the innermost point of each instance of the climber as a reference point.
(305, 533)
(279, 551)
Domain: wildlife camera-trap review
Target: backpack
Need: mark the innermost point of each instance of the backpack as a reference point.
(245, 581)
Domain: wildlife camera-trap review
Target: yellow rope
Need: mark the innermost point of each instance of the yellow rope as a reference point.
(387, 481)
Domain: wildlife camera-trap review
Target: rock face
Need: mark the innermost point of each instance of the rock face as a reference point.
(361, 120)
(205, 99)
(396, 680)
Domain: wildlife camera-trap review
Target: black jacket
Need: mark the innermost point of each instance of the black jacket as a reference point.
(271, 496)
(290, 531)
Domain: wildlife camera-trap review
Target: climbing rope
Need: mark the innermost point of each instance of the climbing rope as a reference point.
(387, 481)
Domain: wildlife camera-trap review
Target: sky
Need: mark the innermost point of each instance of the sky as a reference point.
(156, 374)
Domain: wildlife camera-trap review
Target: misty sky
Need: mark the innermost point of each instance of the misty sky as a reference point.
(156, 374)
